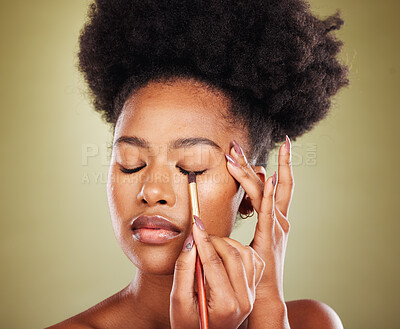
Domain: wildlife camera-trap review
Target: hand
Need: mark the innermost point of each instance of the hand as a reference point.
(272, 205)
(232, 271)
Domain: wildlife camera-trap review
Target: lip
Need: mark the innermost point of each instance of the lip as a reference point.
(153, 229)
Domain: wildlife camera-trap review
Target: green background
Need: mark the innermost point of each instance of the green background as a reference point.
(58, 252)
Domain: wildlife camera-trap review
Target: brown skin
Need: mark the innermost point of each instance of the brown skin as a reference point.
(161, 294)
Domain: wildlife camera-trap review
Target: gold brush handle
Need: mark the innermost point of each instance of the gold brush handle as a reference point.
(194, 200)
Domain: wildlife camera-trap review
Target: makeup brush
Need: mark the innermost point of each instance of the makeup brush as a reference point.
(201, 291)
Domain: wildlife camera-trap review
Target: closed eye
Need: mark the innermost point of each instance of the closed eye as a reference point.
(131, 171)
(183, 171)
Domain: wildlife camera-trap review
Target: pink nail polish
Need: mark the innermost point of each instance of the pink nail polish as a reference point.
(232, 160)
(188, 244)
(274, 179)
(287, 143)
(199, 223)
(237, 147)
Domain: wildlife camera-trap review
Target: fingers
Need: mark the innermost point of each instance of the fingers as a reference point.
(243, 266)
(285, 185)
(248, 259)
(229, 287)
(266, 218)
(254, 264)
(183, 301)
(214, 269)
(182, 287)
(242, 171)
(270, 218)
(234, 264)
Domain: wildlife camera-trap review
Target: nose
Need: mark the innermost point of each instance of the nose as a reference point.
(157, 190)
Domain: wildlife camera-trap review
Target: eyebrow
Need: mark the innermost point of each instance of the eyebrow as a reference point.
(176, 144)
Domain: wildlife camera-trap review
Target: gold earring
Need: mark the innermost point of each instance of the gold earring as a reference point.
(247, 215)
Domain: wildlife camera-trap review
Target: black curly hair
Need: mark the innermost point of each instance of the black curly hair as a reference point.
(274, 59)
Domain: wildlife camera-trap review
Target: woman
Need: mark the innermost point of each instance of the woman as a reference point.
(210, 87)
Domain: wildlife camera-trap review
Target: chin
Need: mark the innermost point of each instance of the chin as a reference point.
(154, 259)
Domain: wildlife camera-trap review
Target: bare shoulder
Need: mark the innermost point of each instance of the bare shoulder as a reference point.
(79, 321)
(72, 323)
(312, 314)
(95, 317)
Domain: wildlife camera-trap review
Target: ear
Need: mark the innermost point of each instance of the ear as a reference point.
(261, 172)
(245, 206)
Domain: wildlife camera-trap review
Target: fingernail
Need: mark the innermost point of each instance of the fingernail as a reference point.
(199, 223)
(232, 160)
(274, 179)
(188, 242)
(287, 143)
(237, 148)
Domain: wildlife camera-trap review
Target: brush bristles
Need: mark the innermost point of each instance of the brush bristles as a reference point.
(192, 177)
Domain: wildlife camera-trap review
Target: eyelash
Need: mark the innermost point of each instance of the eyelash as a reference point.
(183, 171)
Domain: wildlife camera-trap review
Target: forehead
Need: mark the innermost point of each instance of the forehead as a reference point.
(162, 112)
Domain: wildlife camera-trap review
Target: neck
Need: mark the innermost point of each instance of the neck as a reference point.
(150, 296)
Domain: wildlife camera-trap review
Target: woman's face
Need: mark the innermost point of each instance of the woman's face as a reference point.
(167, 117)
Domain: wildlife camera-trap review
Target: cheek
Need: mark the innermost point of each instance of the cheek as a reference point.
(219, 202)
(120, 194)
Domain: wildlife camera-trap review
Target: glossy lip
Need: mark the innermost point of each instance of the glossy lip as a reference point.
(153, 229)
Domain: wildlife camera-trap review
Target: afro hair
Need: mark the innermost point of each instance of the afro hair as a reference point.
(274, 59)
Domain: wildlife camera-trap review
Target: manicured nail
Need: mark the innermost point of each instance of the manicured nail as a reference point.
(187, 246)
(287, 143)
(199, 223)
(237, 148)
(232, 160)
(274, 179)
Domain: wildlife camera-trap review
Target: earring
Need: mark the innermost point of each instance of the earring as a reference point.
(247, 215)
